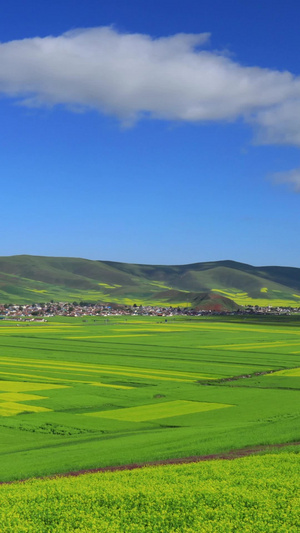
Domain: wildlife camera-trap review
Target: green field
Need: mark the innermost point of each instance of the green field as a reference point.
(84, 393)
(253, 494)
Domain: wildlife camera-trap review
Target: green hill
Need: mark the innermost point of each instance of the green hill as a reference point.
(26, 279)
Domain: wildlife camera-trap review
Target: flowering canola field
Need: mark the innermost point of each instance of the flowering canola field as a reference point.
(254, 494)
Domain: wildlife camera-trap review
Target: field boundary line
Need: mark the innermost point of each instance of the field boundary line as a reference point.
(223, 456)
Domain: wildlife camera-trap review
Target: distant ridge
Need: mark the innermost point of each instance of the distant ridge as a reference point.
(27, 279)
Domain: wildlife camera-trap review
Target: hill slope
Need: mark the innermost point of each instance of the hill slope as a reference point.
(25, 279)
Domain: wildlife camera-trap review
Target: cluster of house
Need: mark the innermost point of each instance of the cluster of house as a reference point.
(75, 309)
(43, 310)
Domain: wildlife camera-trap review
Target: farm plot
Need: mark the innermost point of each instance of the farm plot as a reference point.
(82, 394)
(160, 410)
(253, 494)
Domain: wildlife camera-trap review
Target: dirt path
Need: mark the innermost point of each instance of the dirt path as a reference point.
(233, 454)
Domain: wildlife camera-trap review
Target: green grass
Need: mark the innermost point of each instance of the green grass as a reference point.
(146, 386)
(253, 494)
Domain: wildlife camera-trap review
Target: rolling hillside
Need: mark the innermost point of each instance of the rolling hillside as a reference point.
(26, 279)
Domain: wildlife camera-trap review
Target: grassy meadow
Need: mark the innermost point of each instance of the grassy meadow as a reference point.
(84, 393)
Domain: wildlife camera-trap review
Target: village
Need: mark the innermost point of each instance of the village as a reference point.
(41, 311)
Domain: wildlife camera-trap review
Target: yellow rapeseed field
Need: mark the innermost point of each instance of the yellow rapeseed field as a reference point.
(250, 495)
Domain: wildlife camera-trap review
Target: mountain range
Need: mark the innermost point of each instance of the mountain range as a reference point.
(27, 279)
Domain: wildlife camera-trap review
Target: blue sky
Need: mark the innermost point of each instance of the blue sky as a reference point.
(124, 137)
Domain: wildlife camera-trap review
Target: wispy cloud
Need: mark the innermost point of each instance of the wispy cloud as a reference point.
(290, 177)
(133, 75)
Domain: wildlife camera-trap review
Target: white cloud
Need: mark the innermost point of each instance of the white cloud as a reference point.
(291, 177)
(280, 124)
(134, 75)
